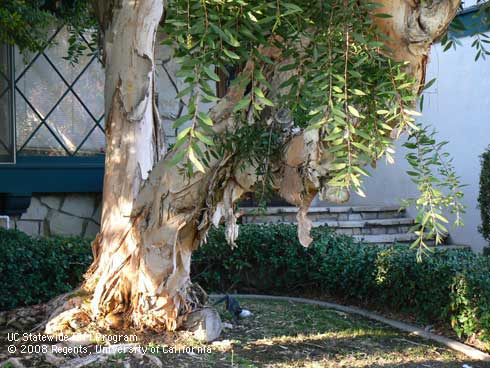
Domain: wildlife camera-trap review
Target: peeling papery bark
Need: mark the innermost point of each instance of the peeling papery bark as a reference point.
(154, 217)
(413, 27)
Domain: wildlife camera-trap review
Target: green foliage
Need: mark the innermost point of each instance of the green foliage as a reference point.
(26, 23)
(259, 147)
(452, 286)
(478, 28)
(484, 195)
(439, 187)
(339, 81)
(33, 270)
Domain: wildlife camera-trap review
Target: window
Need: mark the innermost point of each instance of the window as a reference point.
(59, 106)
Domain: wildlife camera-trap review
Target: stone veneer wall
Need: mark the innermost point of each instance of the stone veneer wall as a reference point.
(61, 214)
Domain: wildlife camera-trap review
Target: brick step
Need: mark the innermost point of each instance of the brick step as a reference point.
(369, 227)
(318, 214)
(381, 225)
(388, 239)
(332, 209)
(453, 246)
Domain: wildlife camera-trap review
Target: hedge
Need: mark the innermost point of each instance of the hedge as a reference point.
(484, 195)
(33, 270)
(450, 286)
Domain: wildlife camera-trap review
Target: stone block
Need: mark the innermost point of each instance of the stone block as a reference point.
(365, 231)
(405, 229)
(388, 214)
(98, 214)
(378, 230)
(28, 227)
(63, 224)
(393, 230)
(91, 230)
(81, 205)
(265, 219)
(290, 217)
(36, 210)
(369, 215)
(52, 201)
(345, 231)
(355, 216)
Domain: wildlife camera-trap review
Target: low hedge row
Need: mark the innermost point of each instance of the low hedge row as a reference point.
(33, 270)
(450, 286)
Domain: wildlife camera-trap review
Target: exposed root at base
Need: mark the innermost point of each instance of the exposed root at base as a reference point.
(71, 312)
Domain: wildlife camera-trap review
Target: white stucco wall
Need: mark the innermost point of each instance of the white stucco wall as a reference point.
(458, 106)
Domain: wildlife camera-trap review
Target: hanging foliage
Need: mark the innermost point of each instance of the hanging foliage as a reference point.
(336, 79)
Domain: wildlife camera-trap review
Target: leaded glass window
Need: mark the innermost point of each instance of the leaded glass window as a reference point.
(59, 107)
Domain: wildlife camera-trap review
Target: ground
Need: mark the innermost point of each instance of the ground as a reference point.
(281, 334)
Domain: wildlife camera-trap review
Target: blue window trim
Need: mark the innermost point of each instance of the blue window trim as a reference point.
(470, 18)
(44, 174)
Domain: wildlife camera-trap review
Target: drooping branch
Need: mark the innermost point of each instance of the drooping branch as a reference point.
(153, 221)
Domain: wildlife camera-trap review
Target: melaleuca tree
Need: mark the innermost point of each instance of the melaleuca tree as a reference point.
(322, 91)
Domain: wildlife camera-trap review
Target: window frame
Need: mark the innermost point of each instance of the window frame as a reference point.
(11, 101)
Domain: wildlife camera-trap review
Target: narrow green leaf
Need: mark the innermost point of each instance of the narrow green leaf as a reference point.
(353, 111)
(210, 73)
(231, 54)
(204, 139)
(178, 123)
(195, 161)
(205, 118)
(265, 101)
(177, 158)
(241, 104)
(183, 133)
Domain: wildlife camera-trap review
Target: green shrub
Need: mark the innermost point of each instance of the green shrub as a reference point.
(451, 286)
(484, 195)
(33, 270)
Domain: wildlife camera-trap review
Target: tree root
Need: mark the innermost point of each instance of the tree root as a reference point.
(71, 312)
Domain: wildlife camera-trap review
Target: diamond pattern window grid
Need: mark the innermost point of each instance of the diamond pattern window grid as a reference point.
(58, 114)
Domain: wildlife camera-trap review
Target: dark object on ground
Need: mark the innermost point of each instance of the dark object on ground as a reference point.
(233, 306)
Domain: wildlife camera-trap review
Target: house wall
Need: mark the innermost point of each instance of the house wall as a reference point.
(75, 214)
(458, 107)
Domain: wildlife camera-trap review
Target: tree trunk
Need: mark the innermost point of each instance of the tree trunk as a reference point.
(153, 217)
